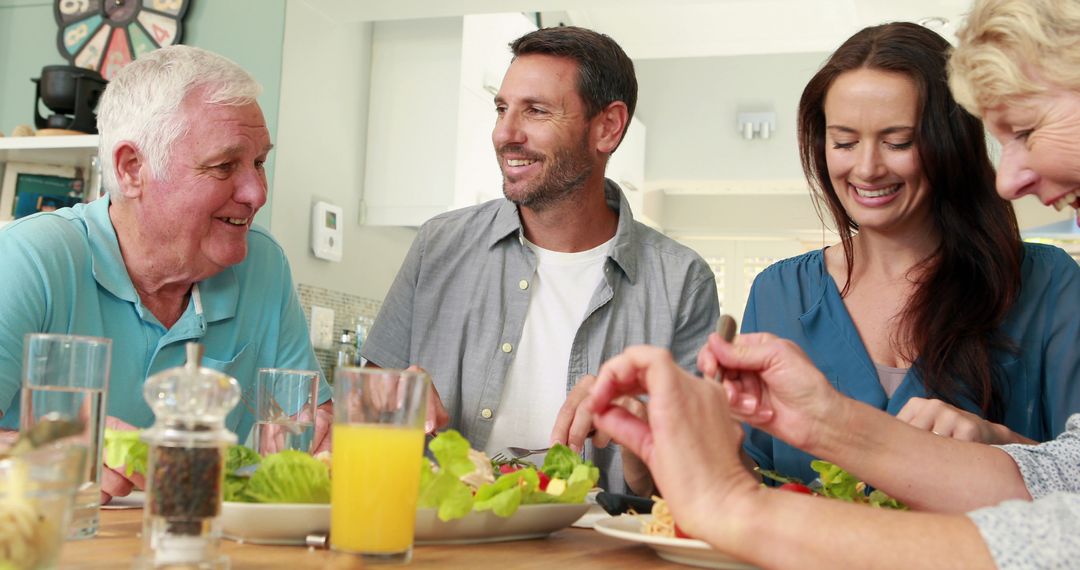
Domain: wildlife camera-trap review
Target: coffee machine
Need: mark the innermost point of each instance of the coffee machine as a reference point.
(71, 93)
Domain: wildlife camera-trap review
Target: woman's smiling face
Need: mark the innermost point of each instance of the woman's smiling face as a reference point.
(1040, 146)
(871, 118)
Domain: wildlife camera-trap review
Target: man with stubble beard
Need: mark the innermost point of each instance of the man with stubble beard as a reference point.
(512, 305)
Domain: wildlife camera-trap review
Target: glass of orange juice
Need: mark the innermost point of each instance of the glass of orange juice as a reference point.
(378, 446)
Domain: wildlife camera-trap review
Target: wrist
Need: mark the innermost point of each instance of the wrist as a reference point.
(831, 424)
(728, 522)
(1001, 435)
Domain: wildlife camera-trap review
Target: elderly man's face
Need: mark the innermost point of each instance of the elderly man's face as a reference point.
(1040, 147)
(201, 208)
(541, 135)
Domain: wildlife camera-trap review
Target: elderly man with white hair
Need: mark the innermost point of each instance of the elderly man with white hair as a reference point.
(170, 256)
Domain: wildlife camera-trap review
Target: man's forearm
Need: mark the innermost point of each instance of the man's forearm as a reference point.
(922, 469)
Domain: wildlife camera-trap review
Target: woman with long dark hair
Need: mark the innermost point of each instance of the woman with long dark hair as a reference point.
(932, 309)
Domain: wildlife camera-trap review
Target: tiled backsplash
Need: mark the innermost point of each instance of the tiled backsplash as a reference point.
(347, 309)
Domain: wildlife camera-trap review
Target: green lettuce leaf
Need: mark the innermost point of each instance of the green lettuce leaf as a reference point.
(445, 492)
(835, 482)
(290, 477)
(506, 494)
(240, 456)
(123, 447)
(839, 484)
(451, 450)
(235, 487)
(443, 489)
(881, 500)
(560, 462)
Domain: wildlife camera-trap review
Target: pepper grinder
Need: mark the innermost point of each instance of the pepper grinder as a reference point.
(186, 468)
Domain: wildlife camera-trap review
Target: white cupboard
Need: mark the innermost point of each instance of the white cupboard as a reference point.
(430, 115)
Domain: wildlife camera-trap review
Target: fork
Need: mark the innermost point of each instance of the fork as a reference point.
(513, 453)
(517, 453)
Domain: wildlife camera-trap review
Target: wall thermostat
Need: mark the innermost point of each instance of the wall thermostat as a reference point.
(327, 234)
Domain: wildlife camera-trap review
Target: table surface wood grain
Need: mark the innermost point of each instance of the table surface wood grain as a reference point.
(119, 541)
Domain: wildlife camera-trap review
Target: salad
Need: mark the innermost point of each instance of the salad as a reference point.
(459, 481)
(465, 480)
(835, 483)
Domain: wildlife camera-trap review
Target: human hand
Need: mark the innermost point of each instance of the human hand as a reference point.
(771, 384)
(573, 424)
(324, 420)
(946, 420)
(689, 442)
(114, 482)
(574, 421)
(437, 416)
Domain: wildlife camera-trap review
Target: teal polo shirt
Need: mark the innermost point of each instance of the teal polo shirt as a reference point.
(62, 272)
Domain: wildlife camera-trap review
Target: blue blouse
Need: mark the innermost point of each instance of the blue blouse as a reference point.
(797, 299)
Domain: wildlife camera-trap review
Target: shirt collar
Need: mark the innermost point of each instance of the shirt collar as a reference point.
(623, 251)
(220, 292)
(106, 261)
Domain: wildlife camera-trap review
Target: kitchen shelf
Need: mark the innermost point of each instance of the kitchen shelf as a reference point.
(74, 150)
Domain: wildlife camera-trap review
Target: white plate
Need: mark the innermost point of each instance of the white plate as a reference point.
(291, 523)
(681, 550)
(134, 500)
(530, 521)
(269, 523)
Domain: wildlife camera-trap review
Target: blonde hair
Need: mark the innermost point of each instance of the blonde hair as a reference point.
(1012, 48)
(142, 102)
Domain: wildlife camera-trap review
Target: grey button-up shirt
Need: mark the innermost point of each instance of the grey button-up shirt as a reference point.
(457, 308)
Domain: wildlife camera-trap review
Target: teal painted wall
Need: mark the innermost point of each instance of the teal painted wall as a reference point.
(249, 32)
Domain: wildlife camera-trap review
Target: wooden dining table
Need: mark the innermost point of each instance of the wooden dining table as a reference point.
(119, 541)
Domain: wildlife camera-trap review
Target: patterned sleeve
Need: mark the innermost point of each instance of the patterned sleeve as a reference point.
(1053, 466)
(1041, 534)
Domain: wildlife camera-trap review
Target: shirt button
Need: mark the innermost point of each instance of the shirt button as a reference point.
(507, 347)
(485, 413)
(523, 284)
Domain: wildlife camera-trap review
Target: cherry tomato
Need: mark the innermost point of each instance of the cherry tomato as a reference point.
(796, 488)
(507, 468)
(544, 480)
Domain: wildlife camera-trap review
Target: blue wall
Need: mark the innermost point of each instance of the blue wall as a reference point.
(250, 32)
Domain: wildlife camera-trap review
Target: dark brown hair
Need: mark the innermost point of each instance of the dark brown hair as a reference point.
(949, 327)
(605, 72)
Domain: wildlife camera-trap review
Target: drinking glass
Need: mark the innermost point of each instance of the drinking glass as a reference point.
(66, 378)
(37, 489)
(285, 403)
(378, 446)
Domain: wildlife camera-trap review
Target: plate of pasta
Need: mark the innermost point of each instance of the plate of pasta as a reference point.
(658, 532)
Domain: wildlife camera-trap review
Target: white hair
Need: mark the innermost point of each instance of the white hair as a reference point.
(141, 103)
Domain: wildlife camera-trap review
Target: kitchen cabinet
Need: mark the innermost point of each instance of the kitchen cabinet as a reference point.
(59, 155)
(430, 115)
(626, 166)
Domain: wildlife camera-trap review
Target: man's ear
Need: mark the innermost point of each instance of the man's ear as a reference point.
(129, 165)
(609, 125)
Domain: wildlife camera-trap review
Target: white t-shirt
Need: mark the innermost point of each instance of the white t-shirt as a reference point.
(535, 386)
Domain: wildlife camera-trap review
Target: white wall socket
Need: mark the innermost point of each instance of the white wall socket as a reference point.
(322, 327)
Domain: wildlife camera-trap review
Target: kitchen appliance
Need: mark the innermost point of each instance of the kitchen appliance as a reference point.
(71, 93)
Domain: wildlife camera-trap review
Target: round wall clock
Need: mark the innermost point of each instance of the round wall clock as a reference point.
(106, 35)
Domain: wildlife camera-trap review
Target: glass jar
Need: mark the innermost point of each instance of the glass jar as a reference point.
(186, 468)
